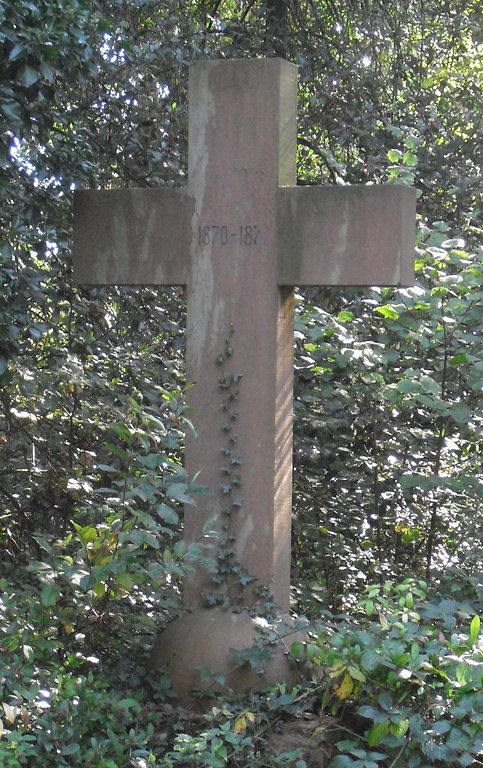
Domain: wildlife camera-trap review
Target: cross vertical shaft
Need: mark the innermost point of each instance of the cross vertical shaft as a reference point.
(242, 130)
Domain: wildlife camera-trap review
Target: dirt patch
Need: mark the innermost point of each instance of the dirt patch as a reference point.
(314, 736)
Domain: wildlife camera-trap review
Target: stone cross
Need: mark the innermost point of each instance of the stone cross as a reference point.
(240, 236)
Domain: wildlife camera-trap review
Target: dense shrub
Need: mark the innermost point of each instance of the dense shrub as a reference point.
(387, 392)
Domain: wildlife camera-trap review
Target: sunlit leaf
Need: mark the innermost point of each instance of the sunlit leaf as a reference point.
(345, 689)
(377, 733)
(240, 724)
(388, 312)
(474, 629)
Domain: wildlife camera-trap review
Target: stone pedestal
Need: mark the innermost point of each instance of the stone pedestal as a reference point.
(197, 642)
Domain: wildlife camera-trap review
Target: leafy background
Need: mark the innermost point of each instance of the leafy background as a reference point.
(387, 490)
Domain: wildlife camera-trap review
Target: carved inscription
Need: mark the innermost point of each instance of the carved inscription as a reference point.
(245, 235)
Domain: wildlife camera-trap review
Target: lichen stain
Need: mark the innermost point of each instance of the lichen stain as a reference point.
(244, 534)
(341, 244)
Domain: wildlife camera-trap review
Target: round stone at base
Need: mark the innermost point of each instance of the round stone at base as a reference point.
(211, 649)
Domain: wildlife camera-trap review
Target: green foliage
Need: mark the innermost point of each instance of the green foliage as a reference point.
(122, 557)
(387, 394)
(388, 427)
(212, 748)
(57, 708)
(233, 735)
(414, 672)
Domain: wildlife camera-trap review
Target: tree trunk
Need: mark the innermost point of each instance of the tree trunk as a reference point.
(277, 33)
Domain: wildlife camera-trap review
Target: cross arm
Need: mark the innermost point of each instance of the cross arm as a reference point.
(132, 236)
(346, 235)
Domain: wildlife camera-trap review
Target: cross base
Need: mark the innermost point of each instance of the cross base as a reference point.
(202, 642)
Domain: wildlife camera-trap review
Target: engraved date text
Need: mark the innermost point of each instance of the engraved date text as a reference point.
(215, 234)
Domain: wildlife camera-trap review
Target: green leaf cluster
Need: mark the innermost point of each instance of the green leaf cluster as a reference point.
(410, 671)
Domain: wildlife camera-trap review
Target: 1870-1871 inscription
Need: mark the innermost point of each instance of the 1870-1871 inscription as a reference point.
(215, 234)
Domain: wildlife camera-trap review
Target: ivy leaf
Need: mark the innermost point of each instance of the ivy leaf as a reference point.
(29, 76)
(49, 595)
(394, 155)
(247, 579)
(409, 158)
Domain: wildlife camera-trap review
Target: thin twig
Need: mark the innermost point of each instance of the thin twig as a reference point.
(398, 755)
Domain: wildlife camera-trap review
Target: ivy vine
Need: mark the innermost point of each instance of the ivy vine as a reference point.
(230, 576)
